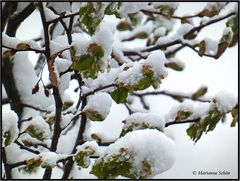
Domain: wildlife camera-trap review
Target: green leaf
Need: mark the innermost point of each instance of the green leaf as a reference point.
(96, 137)
(32, 165)
(183, 115)
(167, 10)
(66, 105)
(144, 83)
(174, 66)
(221, 49)
(93, 115)
(206, 124)
(89, 16)
(199, 93)
(82, 159)
(120, 95)
(87, 64)
(84, 62)
(208, 13)
(127, 129)
(96, 50)
(34, 132)
(7, 138)
(234, 113)
(135, 18)
(202, 48)
(224, 43)
(114, 166)
(112, 8)
(233, 24)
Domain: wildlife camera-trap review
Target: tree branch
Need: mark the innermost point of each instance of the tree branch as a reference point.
(172, 95)
(7, 10)
(15, 20)
(30, 49)
(198, 28)
(6, 167)
(181, 122)
(62, 17)
(174, 17)
(98, 89)
(33, 107)
(56, 94)
(26, 148)
(78, 141)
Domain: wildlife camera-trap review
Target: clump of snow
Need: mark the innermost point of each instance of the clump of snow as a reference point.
(156, 61)
(50, 159)
(141, 120)
(215, 6)
(26, 138)
(100, 103)
(160, 31)
(131, 7)
(228, 31)
(211, 46)
(40, 126)
(197, 110)
(163, 40)
(173, 5)
(15, 154)
(90, 147)
(26, 79)
(67, 138)
(104, 36)
(184, 28)
(56, 47)
(103, 79)
(224, 101)
(62, 39)
(60, 7)
(160, 156)
(132, 75)
(13, 42)
(179, 63)
(9, 124)
(81, 43)
(64, 80)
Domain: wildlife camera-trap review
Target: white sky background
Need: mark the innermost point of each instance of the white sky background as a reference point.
(216, 151)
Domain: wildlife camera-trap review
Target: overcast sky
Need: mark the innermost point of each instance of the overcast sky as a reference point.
(216, 151)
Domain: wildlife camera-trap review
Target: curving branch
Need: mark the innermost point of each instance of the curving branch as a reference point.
(166, 93)
(182, 122)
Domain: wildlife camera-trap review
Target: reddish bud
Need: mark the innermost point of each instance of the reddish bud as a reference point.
(46, 92)
(35, 89)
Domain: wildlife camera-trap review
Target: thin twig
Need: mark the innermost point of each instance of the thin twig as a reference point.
(33, 107)
(97, 89)
(26, 148)
(23, 50)
(181, 122)
(62, 17)
(173, 95)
